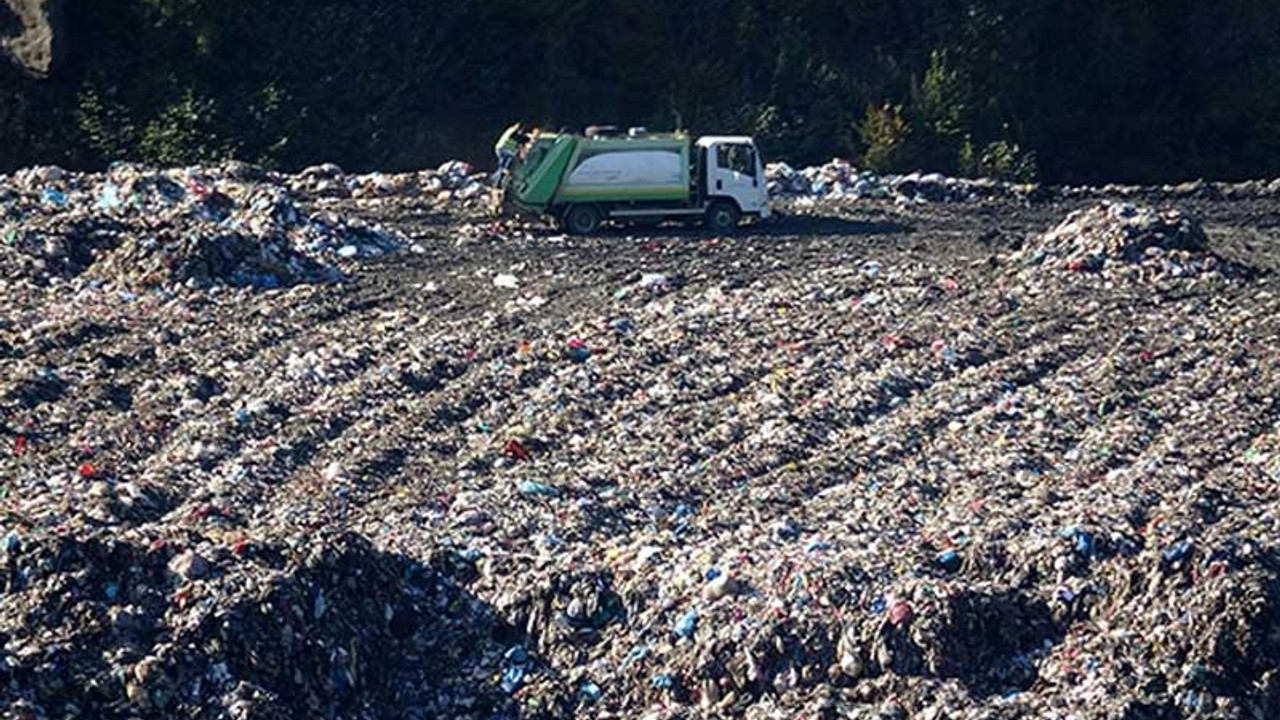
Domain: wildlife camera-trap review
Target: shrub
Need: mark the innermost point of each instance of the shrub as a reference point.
(1006, 160)
(886, 134)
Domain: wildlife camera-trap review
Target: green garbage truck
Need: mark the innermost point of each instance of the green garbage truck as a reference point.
(583, 180)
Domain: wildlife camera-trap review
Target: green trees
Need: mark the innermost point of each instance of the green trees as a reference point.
(1084, 91)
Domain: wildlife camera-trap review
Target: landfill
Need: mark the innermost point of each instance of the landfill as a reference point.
(347, 446)
(840, 179)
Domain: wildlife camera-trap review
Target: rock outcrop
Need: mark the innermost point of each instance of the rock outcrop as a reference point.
(30, 34)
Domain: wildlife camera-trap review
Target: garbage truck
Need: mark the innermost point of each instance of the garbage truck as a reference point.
(583, 180)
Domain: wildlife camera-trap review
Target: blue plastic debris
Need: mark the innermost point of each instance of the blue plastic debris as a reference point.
(1084, 543)
(516, 655)
(512, 679)
(54, 197)
(949, 560)
(637, 654)
(687, 624)
(530, 487)
(786, 530)
(1178, 551)
(12, 543)
(110, 197)
(516, 658)
(591, 692)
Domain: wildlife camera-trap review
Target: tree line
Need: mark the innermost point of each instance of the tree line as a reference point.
(1084, 91)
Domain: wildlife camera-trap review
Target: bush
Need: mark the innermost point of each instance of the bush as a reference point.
(184, 133)
(1006, 160)
(886, 135)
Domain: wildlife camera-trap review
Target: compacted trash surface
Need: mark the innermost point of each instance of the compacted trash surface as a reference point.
(345, 446)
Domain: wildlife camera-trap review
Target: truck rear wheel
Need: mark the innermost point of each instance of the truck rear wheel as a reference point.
(582, 219)
(722, 216)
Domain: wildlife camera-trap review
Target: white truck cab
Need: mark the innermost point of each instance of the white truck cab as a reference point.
(734, 171)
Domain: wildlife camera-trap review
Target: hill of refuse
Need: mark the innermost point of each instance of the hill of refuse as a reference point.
(982, 459)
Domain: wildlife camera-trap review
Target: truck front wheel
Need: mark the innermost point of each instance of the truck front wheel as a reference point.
(582, 219)
(723, 216)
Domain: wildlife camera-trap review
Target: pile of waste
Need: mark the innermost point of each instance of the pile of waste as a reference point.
(866, 464)
(140, 229)
(1122, 239)
(839, 179)
(453, 182)
(183, 624)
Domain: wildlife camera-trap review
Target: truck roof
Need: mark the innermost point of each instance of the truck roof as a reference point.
(708, 140)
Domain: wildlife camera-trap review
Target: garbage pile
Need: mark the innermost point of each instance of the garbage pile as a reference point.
(1126, 240)
(839, 179)
(186, 625)
(140, 229)
(454, 181)
(851, 471)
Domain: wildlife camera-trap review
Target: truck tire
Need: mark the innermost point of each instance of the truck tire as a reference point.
(582, 219)
(722, 216)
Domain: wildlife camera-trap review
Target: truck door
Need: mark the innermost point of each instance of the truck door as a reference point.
(735, 172)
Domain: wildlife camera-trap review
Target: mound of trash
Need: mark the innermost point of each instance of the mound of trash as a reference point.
(142, 229)
(1121, 232)
(1225, 597)
(839, 179)
(171, 627)
(205, 260)
(454, 181)
(1125, 239)
(848, 470)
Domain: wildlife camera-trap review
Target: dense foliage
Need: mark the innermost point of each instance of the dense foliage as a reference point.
(1089, 90)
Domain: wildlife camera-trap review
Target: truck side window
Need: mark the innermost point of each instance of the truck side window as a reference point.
(738, 158)
(723, 159)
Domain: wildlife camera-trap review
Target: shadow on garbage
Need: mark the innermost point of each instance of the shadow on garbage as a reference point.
(990, 637)
(984, 640)
(332, 628)
(780, 226)
(822, 226)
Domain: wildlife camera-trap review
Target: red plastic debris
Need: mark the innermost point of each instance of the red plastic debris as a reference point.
(514, 449)
(900, 613)
(202, 512)
(19, 445)
(87, 470)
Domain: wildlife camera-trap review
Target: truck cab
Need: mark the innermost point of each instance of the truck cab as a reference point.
(582, 180)
(733, 171)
